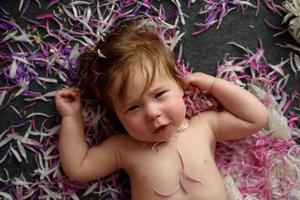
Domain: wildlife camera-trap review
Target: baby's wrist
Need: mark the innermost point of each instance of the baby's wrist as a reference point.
(76, 117)
(208, 82)
(211, 86)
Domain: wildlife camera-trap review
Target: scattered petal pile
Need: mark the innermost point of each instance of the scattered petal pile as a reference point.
(266, 165)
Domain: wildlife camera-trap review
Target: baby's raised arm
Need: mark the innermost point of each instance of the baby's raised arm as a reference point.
(78, 160)
(243, 113)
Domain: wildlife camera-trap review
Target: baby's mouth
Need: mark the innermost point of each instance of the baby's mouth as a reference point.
(160, 128)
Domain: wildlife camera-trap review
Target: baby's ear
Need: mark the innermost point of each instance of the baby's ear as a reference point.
(181, 85)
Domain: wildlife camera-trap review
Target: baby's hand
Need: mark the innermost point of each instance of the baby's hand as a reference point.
(68, 102)
(199, 80)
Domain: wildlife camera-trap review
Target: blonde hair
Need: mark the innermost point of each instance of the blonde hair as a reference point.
(119, 53)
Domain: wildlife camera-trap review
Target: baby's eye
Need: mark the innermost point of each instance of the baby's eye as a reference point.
(160, 93)
(132, 108)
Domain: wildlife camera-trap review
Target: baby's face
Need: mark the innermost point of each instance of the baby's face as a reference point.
(152, 116)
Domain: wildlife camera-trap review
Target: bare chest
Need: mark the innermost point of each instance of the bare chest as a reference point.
(176, 171)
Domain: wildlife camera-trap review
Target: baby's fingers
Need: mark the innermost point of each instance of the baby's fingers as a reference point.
(199, 80)
(76, 94)
(189, 82)
(68, 95)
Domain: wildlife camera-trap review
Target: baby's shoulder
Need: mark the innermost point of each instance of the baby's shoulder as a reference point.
(120, 139)
(201, 125)
(123, 142)
(128, 150)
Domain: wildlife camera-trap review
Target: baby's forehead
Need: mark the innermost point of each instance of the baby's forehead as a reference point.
(137, 78)
(138, 83)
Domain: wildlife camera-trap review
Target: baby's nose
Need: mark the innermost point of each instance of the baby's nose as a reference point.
(153, 111)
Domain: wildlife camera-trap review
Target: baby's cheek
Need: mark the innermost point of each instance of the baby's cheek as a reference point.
(178, 108)
(134, 127)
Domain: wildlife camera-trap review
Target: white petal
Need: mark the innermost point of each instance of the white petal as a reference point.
(6, 195)
(13, 70)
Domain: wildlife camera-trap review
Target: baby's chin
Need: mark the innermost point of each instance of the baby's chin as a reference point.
(171, 133)
(159, 137)
(162, 138)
